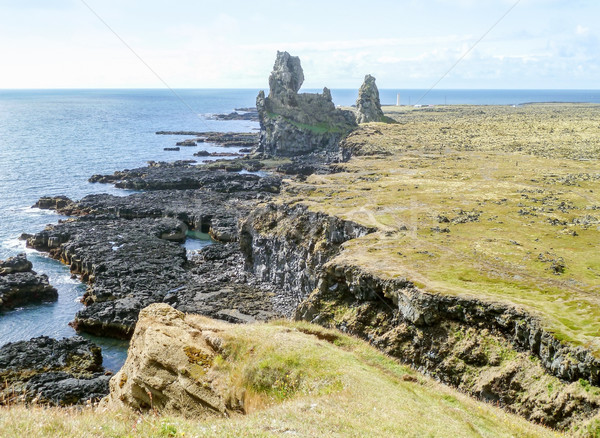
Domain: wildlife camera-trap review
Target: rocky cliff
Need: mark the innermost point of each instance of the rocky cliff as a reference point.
(495, 352)
(168, 366)
(295, 124)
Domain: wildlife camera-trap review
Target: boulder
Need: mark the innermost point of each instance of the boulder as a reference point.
(295, 124)
(368, 106)
(169, 366)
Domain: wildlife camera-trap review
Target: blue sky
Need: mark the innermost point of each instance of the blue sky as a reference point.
(232, 44)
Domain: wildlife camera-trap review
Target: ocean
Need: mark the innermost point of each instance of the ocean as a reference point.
(52, 141)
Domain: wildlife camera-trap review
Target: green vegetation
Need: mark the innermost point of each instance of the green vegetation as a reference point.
(299, 379)
(317, 128)
(498, 203)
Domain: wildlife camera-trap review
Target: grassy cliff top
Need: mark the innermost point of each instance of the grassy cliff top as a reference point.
(496, 202)
(300, 380)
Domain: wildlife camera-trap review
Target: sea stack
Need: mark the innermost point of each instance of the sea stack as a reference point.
(293, 124)
(368, 105)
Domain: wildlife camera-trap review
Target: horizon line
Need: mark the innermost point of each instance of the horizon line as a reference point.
(263, 88)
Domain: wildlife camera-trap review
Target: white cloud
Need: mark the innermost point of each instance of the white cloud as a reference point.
(581, 30)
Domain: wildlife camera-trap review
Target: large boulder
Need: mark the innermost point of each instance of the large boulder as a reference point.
(368, 106)
(19, 284)
(295, 124)
(169, 365)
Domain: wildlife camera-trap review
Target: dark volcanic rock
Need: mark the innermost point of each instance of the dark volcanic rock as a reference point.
(19, 284)
(129, 264)
(163, 176)
(237, 139)
(220, 287)
(251, 116)
(62, 372)
(296, 124)
(120, 246)
(368, 105)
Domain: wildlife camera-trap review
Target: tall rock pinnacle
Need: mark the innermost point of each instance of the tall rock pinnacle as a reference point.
(367, 105)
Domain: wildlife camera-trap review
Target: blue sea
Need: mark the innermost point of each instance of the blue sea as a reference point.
(52, 141)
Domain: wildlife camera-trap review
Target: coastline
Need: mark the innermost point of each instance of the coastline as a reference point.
(300, 263)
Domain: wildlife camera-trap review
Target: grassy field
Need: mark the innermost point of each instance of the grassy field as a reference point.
(499, 203)
(300, 380)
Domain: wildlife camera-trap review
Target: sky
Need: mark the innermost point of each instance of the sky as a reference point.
(544, 44)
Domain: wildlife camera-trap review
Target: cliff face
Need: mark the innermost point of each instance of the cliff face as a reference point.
(288, 246)
(296, 124)
(495, 352)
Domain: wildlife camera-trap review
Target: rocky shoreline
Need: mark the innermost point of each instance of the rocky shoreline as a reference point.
(128, 249)
(20, 284)
(274, 257)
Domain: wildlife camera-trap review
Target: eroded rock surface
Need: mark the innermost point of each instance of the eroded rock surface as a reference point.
(368, 106)
(128, 250)
(493, 351)
(296, 124)
(169, 366)
(58, 372)
(19, 284)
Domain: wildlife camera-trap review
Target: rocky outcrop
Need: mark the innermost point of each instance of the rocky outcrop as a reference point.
(493, 351)
(184, 176)
(288, 246)
(168, 366)
(20, 285)
(127, 249)
(53, 372)
(368, 106)
(225, 139)
(295, 124)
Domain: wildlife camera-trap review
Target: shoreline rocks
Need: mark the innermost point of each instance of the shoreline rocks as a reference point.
(49, 371)
(127, 248)
(20, 285)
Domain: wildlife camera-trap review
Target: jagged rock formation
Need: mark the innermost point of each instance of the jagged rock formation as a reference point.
(19, 284)
(295, 124)
(493, 351)
(49, 371)
(168, 366)
(368, 106)
(127, 248)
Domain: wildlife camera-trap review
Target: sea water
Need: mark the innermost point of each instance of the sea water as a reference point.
(52, 141)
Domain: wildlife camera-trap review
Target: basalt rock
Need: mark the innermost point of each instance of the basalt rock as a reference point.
(19, 284)
(225, 139)
(296, 124)
(496, 352)
(368, 106)
(126, 249)
(57, 372)
(183, 176)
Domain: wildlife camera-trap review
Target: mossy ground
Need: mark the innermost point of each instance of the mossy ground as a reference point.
(500, 203)
(307, 381)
